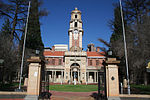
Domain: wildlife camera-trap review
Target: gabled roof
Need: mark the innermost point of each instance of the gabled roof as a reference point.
(95, 54)
(54, 53)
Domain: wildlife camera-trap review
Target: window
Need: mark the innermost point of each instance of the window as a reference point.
(75, 16)
(47, 61)
(97, 62)
(53, 61)
(75, 24)
(59, 61)
(90, 62)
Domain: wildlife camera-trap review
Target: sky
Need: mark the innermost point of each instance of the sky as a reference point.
(95, 17)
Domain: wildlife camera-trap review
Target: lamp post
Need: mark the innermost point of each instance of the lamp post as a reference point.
(125, 47)
(21, 69)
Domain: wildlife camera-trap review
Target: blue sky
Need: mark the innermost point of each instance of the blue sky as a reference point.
(95, 17)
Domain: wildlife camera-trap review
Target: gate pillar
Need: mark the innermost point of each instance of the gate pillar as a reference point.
(34, 77)
(112, 80)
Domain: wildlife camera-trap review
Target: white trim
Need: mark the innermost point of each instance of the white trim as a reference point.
(96, 57)
(54, 56)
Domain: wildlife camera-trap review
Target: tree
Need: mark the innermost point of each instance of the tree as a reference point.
(135, 9)
(8, 53)
(136, 34)
(16, 11)
(33, 38)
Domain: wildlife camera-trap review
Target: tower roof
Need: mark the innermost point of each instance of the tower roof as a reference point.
(76, 11)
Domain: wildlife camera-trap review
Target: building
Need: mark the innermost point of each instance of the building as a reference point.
(74, 65)
(61, 47)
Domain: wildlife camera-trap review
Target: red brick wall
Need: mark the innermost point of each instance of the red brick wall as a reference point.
(77, 41)
(94, 62)
(56, 61)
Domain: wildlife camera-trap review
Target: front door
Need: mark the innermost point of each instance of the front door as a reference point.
(75, 75)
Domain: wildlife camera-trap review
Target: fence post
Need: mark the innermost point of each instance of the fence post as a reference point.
(34, 78)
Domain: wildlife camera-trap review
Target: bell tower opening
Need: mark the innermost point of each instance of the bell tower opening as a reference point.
(75, 16)
(75, 25)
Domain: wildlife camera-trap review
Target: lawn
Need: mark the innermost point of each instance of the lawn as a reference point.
(74, 88)
(140, 89)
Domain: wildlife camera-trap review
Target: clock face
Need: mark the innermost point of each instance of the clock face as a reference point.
(75, 34)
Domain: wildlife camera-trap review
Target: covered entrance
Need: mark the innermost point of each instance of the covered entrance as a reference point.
(75, 73)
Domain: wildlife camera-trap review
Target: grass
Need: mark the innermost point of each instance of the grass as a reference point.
(74, 88)
(9, 86)
(141, 89)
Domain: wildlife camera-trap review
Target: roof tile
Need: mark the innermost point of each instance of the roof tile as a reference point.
(95, 54)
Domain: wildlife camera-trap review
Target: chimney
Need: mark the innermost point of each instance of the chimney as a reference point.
(87, 49)
(53, 48)
(98, 49)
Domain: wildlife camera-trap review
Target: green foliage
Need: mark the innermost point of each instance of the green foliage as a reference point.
(117, 25)
(33, 36)
(34, 40)
(136, 20)
(74, 88)
(141, 89)
(9, 86)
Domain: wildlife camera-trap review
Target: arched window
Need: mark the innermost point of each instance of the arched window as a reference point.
(75, 16)
(75, 24)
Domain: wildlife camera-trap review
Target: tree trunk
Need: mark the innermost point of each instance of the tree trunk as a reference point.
(14, 22)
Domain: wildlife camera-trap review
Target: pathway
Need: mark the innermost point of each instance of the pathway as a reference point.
(57, 95)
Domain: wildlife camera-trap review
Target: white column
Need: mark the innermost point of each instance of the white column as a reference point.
(52, 76)
(78, 77)
(88, 77)
(80, 39)
(95, 77)
(70, 40)
(55, 77)
(61, 76)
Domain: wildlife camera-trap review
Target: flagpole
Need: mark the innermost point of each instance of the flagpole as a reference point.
(125, 48)
(24, 46)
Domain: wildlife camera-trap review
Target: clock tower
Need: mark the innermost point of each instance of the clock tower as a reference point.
(75, 32)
